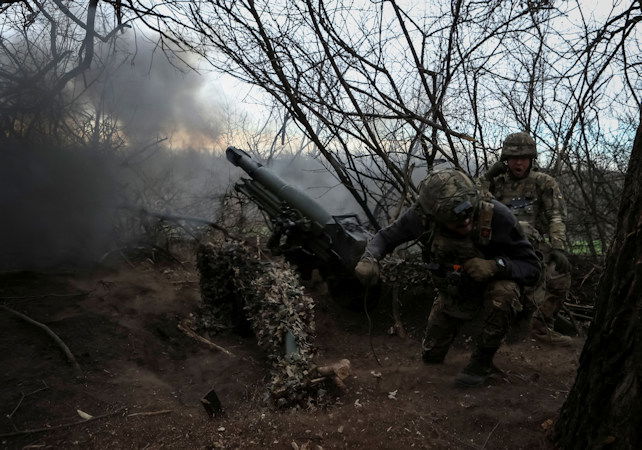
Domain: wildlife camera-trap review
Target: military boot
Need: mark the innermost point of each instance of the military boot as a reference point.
(432, 358)
(479, 369)
(544, 333)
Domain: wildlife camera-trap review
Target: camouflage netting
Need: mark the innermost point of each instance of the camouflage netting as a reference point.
(236, 282)
(408, 283)
(226, 270)
(409, 273)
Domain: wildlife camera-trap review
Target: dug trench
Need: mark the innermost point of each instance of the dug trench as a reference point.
(143, 378)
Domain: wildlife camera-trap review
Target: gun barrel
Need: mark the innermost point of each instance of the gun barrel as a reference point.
(278, 186)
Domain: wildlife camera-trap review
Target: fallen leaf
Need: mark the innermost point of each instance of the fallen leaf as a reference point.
(608, 440)
(547, 424)
(84, 415)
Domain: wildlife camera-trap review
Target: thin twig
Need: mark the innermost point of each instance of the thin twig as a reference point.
(64, 425)
(150, 413)
(54, 336)
(126, 259)
(17, 406)
(440, 430)
(31, 297)
(168, 254)
(121, 250)
(490, 434)
(80, 422)
(581, 316)
(578, 330)
(586, 276)
(582, 307)
(365, 308)
(23, 396)
(191, 333)
(396, 315)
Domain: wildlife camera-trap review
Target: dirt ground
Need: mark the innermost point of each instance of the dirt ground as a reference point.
(147, 377)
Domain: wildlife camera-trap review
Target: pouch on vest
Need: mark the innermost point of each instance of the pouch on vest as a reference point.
(485, 219)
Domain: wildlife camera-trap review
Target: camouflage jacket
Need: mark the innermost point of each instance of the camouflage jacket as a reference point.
(537, 202)
(506, 241)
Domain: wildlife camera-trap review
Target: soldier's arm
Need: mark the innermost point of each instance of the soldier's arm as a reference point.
(555, 213)
(508, 242)
(485, 186)
(408, 227)
(487, 182)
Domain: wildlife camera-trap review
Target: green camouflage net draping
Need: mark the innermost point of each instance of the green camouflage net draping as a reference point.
(237, 286)
(409, 273)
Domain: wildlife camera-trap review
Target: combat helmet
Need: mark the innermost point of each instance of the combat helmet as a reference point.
(448, 195)
(518, 144)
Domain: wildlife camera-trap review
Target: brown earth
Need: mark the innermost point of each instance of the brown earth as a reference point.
(122, 328)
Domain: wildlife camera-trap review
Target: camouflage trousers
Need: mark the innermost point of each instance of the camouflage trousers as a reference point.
(546, 297)
(500, 300)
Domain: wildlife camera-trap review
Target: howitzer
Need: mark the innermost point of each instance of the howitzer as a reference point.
(300, 225)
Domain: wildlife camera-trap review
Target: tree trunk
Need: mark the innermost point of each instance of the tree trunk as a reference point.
(604, 407)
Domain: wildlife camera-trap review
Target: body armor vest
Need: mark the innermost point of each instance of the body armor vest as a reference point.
(446, 253)
(520, 196)
(524, 200)
(442, 249)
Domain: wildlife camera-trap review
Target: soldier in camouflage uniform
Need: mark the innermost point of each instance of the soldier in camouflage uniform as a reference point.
(535, 199)
(478, 260)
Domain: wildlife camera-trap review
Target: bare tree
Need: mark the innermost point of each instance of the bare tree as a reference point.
(377, 89)
(44, 47)
(374, 82)
(604, 406)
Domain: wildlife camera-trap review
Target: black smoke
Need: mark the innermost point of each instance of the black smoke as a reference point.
(62, 191)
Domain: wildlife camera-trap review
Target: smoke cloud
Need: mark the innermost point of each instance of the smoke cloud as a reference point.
(311, 177)
(60, 196)
(154, 94)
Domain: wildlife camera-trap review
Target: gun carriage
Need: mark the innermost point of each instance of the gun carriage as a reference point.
(302, 230)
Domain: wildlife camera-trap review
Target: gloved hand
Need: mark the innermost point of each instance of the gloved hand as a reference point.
(367, 270)
(496, 169)
(562, 263)
(480, 269)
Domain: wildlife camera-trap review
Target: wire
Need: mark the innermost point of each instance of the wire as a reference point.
(365, 308)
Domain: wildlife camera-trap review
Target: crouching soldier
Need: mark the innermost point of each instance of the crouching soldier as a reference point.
(478, 259)
(536, 200)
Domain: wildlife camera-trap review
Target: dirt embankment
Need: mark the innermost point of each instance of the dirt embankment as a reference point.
(121, 325)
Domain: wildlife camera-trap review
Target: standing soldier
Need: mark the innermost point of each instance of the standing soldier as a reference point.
(478, 259)
(535, 199)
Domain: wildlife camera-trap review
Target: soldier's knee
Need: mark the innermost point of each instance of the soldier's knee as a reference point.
(496, 326)
(558, 282)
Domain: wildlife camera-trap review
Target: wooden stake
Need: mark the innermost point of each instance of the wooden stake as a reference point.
(339, 369)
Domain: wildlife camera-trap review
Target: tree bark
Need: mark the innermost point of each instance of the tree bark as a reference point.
(604, 407)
